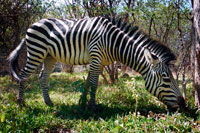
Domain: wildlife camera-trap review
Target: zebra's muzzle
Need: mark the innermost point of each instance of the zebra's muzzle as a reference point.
(180, 104)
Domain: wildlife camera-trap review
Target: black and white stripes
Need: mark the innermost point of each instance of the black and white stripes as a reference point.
(97, 41)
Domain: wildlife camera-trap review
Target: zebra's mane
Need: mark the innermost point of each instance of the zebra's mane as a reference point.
(162, 52)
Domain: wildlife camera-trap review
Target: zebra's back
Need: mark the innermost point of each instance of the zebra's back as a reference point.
(65, 40)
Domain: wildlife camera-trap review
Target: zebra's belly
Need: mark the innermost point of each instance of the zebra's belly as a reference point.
(73, 59)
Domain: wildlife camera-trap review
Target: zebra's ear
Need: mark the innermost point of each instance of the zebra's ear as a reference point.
(150, 58)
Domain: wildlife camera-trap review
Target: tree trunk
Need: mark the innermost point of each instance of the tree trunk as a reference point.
(104, 77)
(112, 70)
(196, 50)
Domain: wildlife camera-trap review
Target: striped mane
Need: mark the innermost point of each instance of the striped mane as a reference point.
(162, 52)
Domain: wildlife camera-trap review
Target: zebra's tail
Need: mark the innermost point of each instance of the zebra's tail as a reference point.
(13, 60)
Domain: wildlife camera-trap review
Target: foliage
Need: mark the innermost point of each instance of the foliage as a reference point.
(125, 107)
(15, 18)
(165, 20)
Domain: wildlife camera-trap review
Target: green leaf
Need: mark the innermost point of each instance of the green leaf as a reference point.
(129, 124)
(116, 128)
(76, 83)
(2, 117)
(4, 107)
(81, 88)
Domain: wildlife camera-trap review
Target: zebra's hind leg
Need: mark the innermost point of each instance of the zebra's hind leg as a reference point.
(20, 98)
(30, 68)
(48, 66)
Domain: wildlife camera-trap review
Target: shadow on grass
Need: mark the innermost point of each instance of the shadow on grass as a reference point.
(71, 112)
(104, 112)
(76, 112)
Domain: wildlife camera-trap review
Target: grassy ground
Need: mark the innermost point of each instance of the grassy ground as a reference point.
(126, 107)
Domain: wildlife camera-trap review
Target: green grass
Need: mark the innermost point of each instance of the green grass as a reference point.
(126, 107)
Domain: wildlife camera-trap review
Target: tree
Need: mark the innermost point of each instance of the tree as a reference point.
(195, 58)
(15, 18)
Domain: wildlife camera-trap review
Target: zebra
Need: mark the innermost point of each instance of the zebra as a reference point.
(97, 41)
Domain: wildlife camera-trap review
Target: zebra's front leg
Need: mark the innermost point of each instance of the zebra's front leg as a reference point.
(93, 84)
(44, 75)
(93, 75)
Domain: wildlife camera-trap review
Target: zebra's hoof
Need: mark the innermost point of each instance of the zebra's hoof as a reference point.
(95, 108)
(83, 102)
(49, 103)
(21, 102)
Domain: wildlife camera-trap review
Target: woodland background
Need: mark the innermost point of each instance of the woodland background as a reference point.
(126, 105)
(174, 23)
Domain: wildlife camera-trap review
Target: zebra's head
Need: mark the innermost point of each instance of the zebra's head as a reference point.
(160, 82)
